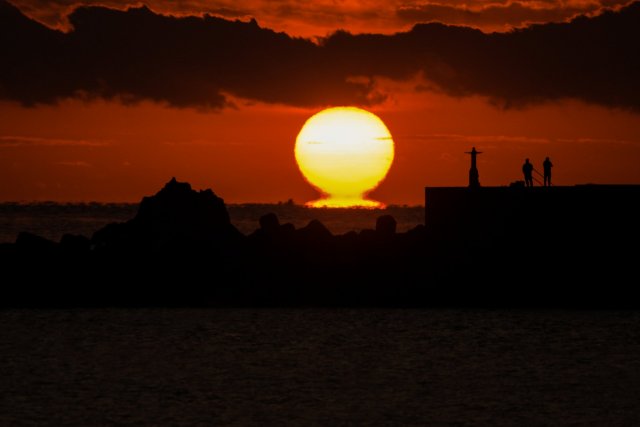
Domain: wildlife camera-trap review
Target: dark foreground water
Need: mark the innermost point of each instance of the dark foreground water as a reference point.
(319, 367)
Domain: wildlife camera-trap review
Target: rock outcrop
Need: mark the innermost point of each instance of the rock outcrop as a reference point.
(177, 218)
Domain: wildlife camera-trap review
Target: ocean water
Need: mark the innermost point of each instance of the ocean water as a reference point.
(53, 220)
(307, 367)
(319, 367)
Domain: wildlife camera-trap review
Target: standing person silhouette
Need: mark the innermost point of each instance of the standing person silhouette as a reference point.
(527, 170)
(546, 166)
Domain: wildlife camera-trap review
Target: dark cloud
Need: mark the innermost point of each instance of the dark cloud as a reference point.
(190, 61)
(197, 61)
(319, 16)
(514, 14)
(54, 12)
(312, 18)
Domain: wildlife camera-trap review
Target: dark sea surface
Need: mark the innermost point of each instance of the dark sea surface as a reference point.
(302, 367)
(307, 367)
(53, 220)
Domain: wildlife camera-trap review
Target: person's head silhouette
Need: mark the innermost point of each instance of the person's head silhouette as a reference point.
(526, 160)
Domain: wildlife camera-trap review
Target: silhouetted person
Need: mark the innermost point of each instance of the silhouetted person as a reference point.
(527, 170)
(547, 165)
(474, 176)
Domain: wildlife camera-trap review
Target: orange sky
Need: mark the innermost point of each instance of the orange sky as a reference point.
(79, 150)
(108, 152)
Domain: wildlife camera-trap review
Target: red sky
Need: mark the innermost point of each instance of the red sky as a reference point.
(65, 137)
(321, 17)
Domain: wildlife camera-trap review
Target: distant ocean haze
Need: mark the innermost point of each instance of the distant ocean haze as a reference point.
(53, 220)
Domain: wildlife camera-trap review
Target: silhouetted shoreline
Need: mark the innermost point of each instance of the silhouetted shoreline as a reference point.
(182, 250)
(52, 220)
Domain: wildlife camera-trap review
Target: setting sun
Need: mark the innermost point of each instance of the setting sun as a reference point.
(344, 152)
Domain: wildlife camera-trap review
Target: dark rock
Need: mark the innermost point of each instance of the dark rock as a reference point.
(351, 236)
(269, 223)
(286, 234)
(33, 242)
(314, 231)
(386, 226)
(367, 234)
(7, 249)
(75, 244)
(177, 218)
(287, 229)
(348, 242)
(271, 232)
(113, 237)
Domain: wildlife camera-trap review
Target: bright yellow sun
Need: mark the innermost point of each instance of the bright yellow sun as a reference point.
(345, 152)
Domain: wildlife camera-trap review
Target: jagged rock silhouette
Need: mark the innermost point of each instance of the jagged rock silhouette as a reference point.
(182, 249)
(175, 216)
